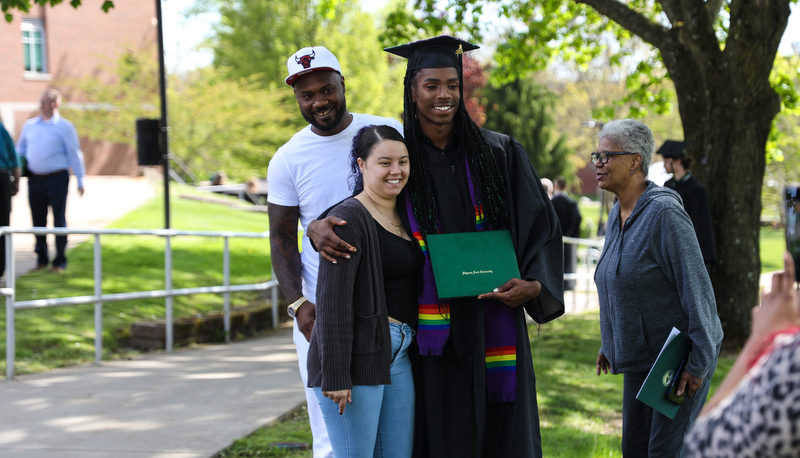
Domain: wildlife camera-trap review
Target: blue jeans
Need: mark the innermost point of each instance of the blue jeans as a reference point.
(380, 421)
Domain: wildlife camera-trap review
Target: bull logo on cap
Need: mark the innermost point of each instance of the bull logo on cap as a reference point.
(305, 61)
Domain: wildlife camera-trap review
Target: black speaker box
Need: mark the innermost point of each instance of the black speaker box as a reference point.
(148, 146)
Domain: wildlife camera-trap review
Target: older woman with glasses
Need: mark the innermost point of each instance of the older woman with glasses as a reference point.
(650, 277)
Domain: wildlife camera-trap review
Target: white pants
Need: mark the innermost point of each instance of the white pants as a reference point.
(322, 444)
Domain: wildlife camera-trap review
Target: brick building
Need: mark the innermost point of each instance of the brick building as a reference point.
(51, 43)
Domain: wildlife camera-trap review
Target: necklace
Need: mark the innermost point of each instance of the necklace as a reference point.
(396, 226)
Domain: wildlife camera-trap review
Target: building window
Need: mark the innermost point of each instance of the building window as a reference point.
(33, 46)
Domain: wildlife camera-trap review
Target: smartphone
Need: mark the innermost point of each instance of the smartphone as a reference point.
(791, 225)
(674, 383)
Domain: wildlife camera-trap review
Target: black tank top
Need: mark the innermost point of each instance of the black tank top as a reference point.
(400, 264)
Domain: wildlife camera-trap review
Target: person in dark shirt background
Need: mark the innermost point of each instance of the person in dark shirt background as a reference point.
(570, 219)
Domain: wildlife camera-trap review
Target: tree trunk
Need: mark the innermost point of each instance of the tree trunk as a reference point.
(727, 106)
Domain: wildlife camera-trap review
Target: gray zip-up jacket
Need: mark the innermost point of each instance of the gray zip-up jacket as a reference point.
(651, 277)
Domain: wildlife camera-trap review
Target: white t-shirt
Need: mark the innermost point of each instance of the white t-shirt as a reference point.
(311, 171)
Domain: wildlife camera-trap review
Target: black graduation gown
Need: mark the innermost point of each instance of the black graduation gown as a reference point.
(447, 425)
(695, 201)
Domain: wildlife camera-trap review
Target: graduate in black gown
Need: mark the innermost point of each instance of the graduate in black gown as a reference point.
(475, 391)
(693, 194)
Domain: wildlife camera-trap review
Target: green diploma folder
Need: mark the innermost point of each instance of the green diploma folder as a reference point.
(466, 264)
(655, 387)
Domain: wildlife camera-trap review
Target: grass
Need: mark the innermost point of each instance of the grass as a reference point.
(262, 442)
(53, 337)
(773, 244)
(579, 412)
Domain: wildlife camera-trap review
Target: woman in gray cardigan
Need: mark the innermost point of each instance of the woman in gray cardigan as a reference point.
(650, 277)
(358, 361)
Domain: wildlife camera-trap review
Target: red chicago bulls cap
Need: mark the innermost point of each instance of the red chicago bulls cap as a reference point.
(310, 59)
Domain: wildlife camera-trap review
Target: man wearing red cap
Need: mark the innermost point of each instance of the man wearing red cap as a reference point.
(307, 175)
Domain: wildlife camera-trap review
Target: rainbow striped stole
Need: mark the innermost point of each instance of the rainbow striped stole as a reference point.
(501, 359)
(499, 325)
(500, 335)
(433, 326)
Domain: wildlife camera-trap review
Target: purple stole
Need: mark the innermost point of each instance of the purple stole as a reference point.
(498, 319)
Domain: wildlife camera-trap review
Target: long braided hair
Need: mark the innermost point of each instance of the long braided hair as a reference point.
(488, 181)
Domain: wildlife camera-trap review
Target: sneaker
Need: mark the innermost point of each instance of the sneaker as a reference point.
(57, 269)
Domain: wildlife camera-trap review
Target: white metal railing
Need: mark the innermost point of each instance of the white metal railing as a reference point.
(98, 298)
(585, 267)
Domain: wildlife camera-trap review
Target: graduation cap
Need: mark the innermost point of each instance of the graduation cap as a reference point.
(672, 149)
(437, 52)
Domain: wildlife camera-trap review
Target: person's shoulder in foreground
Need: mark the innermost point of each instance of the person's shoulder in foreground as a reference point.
(754, 410)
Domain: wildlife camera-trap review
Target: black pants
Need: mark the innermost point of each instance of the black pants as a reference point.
(49, 191)
(648, 433)
(5, 214)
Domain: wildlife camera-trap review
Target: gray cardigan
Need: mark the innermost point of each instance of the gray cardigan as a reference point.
(350, 344)
(651, 277)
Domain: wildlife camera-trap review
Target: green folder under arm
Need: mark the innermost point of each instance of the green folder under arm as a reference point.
(654, 389)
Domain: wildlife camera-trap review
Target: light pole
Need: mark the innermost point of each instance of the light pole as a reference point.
(163, 138)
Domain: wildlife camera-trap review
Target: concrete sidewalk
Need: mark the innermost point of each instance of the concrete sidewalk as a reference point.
(184, 404)
(188, 403)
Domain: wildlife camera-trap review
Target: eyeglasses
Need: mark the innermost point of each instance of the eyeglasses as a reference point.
(604, 156)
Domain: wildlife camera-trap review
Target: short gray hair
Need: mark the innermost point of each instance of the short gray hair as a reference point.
(632, 136)
(53, 95)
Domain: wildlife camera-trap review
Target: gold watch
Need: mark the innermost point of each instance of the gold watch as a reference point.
(292, 309)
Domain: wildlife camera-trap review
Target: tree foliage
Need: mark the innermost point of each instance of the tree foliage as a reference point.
(783, 149)
(221, 123)
(522, 109)
(216, 122)
(475, 78)
(25, 6)
(233, 119)
(719, 55)
(255, 37)
(118, 94)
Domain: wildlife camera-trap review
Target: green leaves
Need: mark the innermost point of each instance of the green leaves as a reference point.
(523, 109)
(7, 6)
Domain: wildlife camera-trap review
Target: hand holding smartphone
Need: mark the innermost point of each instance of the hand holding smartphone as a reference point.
(791, 225)
(672, 396)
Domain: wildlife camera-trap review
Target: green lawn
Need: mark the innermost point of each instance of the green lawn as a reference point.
(773, 244)
(579, 412)
(771, 240)
(64, 336)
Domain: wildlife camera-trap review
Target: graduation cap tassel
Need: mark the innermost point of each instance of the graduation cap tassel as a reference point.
(460, 54)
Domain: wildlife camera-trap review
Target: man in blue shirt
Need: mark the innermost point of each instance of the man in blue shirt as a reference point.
(49, 144)
(9, 185)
